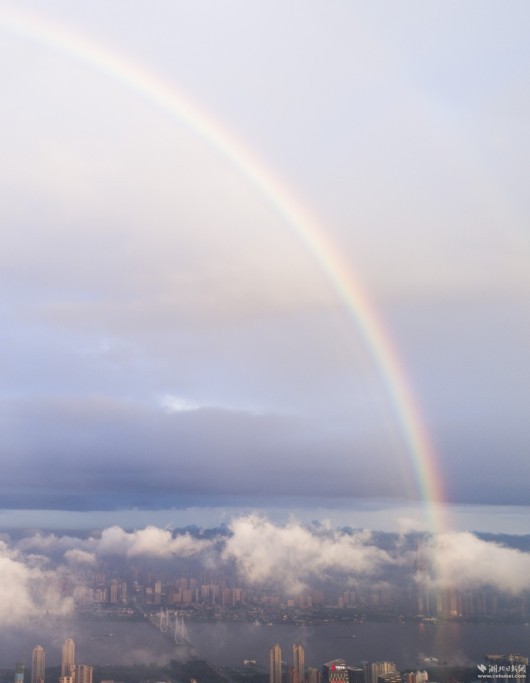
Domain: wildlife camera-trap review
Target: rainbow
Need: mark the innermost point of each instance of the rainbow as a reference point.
(166, 96)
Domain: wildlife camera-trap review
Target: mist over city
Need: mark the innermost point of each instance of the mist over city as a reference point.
(265, 341)
(47, 573)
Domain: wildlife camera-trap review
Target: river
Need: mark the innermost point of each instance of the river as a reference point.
(228, 643)
(406, 644)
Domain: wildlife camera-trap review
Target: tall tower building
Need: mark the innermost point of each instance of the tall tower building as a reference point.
(38, 664)
(68, 659)
(83, 673)
(275, 658)
(299, 662)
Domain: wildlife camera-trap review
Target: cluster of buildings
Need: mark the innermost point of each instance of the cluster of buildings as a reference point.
(336, 671)
(71, 672)
(176, 592)
(476, 604)
(227, 594)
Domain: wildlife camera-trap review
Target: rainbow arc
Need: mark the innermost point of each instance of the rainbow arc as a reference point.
(339, 273)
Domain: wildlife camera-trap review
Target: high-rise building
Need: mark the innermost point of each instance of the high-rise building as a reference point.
(299, 662)
(356, 675)
(83, 673)
(390, 677)
(374, 669)
(68, 659)
(335, 671)
(19, 672)
(313, 675)
(38, 664)
(275, 658)
(417, 677)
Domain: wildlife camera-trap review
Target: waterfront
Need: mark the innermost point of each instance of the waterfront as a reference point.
(228, 643)
(408, 644)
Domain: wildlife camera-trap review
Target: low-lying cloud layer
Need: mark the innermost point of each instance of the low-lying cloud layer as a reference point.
(27, 588)
(293, 554)
(462, 560)
(289, 557)
(149, 541)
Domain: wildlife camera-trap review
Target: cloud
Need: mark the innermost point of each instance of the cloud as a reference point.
(27, 591)
(464, 561)
(34, 585)
(49, 544)
(293, 554)
(151, 541)
(80, 557)
(176, 404)
(291, 557)
(151, 456)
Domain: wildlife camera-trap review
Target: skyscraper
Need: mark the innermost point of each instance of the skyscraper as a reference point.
(83, 673)
(275, 658)
(298, 662)
(38, 664)
(375, 669)
(68, 658)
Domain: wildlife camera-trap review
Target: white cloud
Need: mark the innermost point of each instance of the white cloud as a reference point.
(48, 543)
(293, 554)
(115, 541)
(77, 556)
(462, 560)
(177, 404)
(149, 541)
(27, 591)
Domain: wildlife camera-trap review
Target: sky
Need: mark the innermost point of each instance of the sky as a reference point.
(173, 339)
